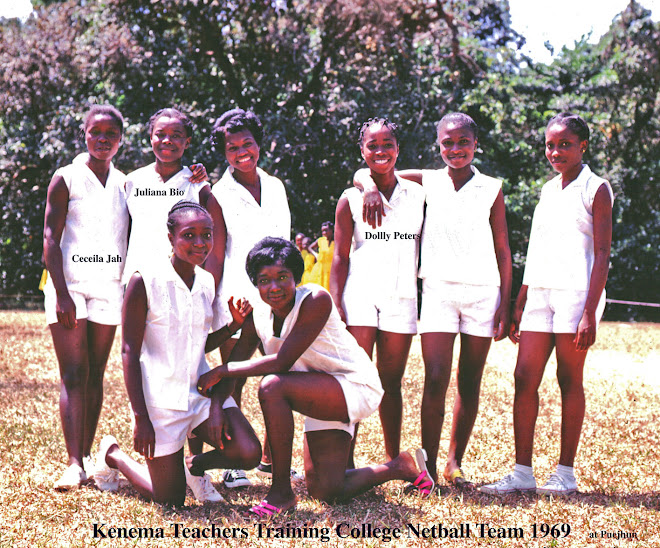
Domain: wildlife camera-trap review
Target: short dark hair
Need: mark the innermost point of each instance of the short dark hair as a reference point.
(107, 110)
(461, 120)
(572, 122)
(172, 113)
(270, 251)
(180, 207)
(381, 122)
(233, 121)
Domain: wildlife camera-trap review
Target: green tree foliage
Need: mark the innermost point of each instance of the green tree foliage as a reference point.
(314, 71)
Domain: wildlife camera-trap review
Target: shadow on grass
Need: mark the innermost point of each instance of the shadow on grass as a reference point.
(650, 500)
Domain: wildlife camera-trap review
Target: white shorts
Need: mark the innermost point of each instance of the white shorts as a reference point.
(386, 313)
(361, 401)
(99, 303)
(172, 427)
(452, 307)
(556, 310)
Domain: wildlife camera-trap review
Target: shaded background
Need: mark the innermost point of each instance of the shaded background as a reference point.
(314, 71)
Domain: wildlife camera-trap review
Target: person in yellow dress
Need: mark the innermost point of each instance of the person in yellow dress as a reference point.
(324, 248)
(308, 258)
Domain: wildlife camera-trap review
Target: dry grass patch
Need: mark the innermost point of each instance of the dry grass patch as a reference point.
(618, 462)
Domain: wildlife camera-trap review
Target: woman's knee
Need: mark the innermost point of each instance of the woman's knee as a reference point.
(323, 490)
(525, 381)
(270, 387)
(436, 379)
(569, 382)
(75, 376)
(250, 452)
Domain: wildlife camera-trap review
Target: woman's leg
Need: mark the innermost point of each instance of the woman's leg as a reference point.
(533, 353)
(242, 451)
(327, 480)
(163, 480)
(570, 367)
(99, 340)
(437, 351)
(72, 354)
(471, 362)
(316, 395)
(366, 338)
(392, 350)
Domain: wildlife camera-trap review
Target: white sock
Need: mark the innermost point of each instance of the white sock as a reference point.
(566, 472)
(522, 470)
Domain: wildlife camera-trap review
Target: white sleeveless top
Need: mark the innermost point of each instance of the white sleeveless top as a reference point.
(178, 320)
(561, 245)
(96, 225)
(457, 241)
(149, 201)
(384, 260)
(247, 222)
(335, 351)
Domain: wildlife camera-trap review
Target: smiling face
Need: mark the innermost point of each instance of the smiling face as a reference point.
(277, 288)
(379, 148)
(102, 137)
(242, 151)
(169, 139)
(564, 150)
(192, 236)
(457, 145)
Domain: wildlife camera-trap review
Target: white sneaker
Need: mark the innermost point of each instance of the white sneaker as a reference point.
(558, 486)
(106, 478)
(88, 465)
(72, 478)
(202, 487)
(510, 484)
(235, 478)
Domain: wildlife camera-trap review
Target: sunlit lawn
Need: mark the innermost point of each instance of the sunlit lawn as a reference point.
(618, 465)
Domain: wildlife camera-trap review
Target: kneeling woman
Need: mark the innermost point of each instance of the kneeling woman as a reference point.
(165, 326)
(315, 367)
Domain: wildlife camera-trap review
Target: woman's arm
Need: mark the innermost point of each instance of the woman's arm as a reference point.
(314, 313)
(516, 315)
(134, 318)
(503, 255)
(57, 207)
(372, 204)
(343, 237)
(239, 312)
(215, 262)
(243, 350)
(602, 212)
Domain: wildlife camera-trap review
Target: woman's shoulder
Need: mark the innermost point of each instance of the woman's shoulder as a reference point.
(486, 180)
(413, 189)
(593, 183)
(314, 298)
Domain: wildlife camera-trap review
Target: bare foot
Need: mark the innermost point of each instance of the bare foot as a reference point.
(405, 466)
(283, 501)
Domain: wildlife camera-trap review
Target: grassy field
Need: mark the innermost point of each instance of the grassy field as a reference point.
(618, 465)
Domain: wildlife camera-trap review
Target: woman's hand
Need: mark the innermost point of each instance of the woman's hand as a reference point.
(199, 174)
(586, 332)
(514, 327)
(218, 424)
(144, 437)
(207, 381)
(239, 311)
(501, 322)
(66, 311)
(373, 210)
